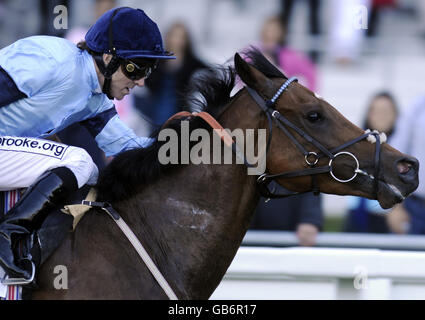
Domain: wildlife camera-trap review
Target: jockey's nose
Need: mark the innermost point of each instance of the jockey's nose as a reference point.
(140, 82)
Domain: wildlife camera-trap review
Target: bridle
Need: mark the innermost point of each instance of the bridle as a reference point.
(311, 158)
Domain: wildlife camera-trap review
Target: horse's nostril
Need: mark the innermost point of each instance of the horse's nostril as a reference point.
(403, 167)
(407, 166)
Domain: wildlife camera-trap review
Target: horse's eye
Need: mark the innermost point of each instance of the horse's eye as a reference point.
(314, 117)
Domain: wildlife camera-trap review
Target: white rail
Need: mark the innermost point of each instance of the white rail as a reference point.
(323, 273)
(337, 240)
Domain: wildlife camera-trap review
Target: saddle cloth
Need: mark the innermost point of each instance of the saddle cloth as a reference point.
(7, 201)
(78, 210)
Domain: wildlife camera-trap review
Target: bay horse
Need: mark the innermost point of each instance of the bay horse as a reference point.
(190, 218)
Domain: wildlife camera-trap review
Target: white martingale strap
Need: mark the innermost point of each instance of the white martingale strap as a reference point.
(146, 258)
(144, 255)
(9, 292)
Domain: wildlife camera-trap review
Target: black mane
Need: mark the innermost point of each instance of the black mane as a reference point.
(134, 169)
(131, 170)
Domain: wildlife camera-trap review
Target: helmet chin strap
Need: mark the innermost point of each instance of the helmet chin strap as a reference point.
(107, 71)
(113, 65)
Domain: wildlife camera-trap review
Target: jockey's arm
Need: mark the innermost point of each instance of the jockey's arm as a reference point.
(112, 135)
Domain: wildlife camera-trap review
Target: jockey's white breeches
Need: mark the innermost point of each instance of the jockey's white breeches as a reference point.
(23, 160)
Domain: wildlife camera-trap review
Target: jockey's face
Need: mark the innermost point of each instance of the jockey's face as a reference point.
(120, 84)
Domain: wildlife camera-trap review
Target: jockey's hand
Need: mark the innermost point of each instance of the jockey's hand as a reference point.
(307, 234)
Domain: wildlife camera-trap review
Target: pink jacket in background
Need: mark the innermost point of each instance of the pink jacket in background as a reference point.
(296, 64)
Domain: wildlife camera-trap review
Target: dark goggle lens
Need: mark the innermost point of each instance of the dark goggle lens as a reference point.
(135, 72)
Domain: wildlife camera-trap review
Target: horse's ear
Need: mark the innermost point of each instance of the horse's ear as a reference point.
(252, 77)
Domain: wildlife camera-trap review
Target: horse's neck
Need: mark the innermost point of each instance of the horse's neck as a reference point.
(193, 222)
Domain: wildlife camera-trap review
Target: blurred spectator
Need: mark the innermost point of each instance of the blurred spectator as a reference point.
(300, 213)
(409, 137)
(314, 19)
(421, 17)
(292, 63)
(374, 15)
(364, 215)
(18, 19)
(168, 84)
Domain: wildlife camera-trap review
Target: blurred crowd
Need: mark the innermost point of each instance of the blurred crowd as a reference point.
(164, 95)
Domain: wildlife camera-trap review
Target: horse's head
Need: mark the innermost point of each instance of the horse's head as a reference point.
(320, 148)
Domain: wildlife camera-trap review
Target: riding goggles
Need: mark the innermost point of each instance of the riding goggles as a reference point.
(136, 72)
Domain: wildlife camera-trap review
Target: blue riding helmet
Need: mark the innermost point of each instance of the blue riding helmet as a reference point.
(127, 33)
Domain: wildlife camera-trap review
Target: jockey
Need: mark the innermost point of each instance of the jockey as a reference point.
(48, 83)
